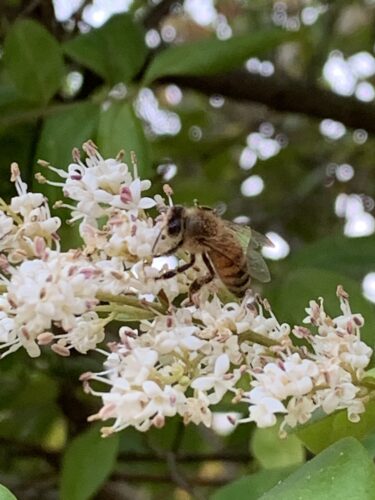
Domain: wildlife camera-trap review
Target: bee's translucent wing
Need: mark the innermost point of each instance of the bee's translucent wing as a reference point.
(257, 266)
(252, 242)
(260, 240)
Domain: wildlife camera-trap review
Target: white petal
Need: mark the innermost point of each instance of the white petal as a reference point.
(151, 389)
(203, 383)
(135, 188)
(222, 365)
(274, 405)
(146, 203)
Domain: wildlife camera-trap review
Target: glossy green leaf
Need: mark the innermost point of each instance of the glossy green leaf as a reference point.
(88, 461)
(271, 451)
(316, 436)
(292, 296)
(119, 128)
(116, 51)
(33, 60)
(207, 57)
(344, 470)
(251, 487)
(5, 494)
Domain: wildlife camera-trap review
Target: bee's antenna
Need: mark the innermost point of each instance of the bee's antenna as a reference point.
(155, 243)
(169, 192)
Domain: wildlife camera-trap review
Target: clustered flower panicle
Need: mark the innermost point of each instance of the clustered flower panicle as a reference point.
(182, 359)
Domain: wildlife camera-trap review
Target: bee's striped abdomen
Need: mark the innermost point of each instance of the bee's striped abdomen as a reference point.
(233, 272)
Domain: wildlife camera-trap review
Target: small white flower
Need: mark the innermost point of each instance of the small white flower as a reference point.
(338, 397)
(299, 410)
(358, 355)
(86, 334)
(179, 339)
(130, 197)
(197, 411)
(161, 401)
(219, 381)
(263, 413)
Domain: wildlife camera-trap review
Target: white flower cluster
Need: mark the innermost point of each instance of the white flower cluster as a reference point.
(186, 361)
(26, 218)
(325, 375)
(183, 359)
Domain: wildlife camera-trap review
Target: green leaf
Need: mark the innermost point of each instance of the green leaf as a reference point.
(116, 51)
(344, 470)
(65, 130)
(339, 254)
(62, 132)
(271, 451)
(369, 444)
(15, 145)
(33, 60)
(369, 376)
(29, 407)
(292, 296)
(5, 494)
(207, 57)
(119, 128)
(87, 463)
(251, 487)
(320, 434)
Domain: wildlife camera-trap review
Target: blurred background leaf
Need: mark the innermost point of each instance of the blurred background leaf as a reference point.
(116, 51)
(118, 129)
(87, 462)
(212, 56)
(33, 60)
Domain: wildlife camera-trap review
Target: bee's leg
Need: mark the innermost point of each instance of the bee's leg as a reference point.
(204, 280)
(180, 269)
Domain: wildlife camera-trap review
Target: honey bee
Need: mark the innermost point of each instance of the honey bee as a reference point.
(230, 251)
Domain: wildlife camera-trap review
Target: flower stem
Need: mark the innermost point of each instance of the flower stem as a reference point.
(257, 338)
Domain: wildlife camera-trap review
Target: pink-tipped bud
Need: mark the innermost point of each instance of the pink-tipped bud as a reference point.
(158, 421)
(45, 338)
(126, 195)
(60, 350)
(15, 171)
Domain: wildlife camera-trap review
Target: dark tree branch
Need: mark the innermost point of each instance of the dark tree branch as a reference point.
(156, 14)
(189, 457)
(27, 449)
(283, 95)
(166, 478)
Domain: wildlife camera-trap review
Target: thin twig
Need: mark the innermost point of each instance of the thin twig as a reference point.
(156, 14)
(179, 478)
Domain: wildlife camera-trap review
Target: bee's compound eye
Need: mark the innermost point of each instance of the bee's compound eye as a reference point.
(174, 226)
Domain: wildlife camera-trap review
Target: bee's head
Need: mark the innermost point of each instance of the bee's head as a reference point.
(175, 221)
(171, 235)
